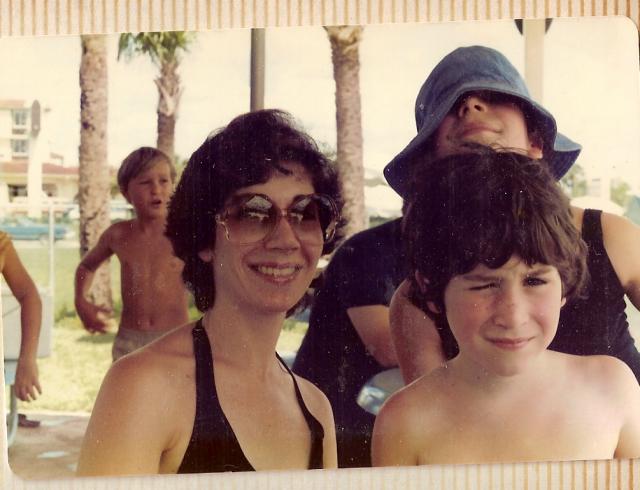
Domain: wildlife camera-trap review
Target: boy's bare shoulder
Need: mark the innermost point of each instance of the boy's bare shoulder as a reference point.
(116, 233)
(610, 370)
(598, 367)
(610, 377)
(416, 404)
(122, 229)
(410, 422)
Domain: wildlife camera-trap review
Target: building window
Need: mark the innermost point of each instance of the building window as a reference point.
(19, 118)
(17, 190)
(50, 190)
(19, 147)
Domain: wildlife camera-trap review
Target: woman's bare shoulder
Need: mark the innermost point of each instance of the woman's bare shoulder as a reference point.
(155, 366)
(315, 400)
(143, 410)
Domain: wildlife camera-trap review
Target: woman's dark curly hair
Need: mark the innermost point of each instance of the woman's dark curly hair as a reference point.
(248, 151)
(482, 207)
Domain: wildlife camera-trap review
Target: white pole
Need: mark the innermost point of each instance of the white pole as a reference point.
(34, 165)
(52, 262)
(533, 31)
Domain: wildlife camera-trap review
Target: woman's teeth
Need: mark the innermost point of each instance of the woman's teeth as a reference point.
(277, 271)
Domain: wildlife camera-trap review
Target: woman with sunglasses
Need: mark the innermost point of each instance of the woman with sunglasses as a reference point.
(256, 207)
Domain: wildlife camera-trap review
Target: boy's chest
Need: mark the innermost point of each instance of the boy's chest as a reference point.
(148, 258)
(542, 431)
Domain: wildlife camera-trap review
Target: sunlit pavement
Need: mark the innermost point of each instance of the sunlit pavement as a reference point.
(50, 450)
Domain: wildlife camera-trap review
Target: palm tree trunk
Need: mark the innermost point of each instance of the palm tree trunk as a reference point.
(346, 73)
(169, 93)
(94, 171)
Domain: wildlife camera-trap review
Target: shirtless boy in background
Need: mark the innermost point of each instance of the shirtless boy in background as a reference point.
(154, 298)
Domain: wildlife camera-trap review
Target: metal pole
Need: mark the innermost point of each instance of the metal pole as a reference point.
(257, 69)
(52, 258)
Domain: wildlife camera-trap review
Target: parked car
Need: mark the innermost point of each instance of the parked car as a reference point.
(21, 228)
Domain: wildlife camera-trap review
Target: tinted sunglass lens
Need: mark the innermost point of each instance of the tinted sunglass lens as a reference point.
(252, 220)
(318, 215)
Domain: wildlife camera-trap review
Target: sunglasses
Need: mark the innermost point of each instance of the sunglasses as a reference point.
(251, 218)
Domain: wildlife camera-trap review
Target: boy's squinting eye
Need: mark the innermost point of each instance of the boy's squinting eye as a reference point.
(480, 287)
(534, 281)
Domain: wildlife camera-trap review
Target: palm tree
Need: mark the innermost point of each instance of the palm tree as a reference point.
(93, 185)
(345, 41)
(165, 49)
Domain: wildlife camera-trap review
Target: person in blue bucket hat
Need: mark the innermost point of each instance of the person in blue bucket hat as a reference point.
(473, 95)
(478, 70)
(458, 104)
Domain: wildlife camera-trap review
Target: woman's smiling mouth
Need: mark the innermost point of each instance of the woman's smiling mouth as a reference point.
(277, 273)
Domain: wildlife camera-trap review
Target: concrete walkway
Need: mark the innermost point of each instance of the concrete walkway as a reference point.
(50, 450)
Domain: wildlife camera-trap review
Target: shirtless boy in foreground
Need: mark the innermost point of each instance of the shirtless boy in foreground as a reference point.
(491, 263)
(154, 298)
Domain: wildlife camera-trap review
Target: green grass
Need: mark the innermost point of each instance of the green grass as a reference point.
(36, 261)
(71, 377)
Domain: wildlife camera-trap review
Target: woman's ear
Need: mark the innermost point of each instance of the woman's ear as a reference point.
(206, 255)
(563, 302)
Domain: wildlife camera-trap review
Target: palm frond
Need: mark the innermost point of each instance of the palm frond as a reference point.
(161, 47)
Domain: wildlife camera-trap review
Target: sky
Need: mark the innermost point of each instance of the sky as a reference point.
(591, 85)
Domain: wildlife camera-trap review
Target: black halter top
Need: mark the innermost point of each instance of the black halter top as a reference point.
(213, 446)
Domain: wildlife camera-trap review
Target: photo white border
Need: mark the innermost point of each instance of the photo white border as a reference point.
(62, 17)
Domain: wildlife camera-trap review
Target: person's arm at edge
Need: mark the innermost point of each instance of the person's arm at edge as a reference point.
(88, 312)
(627, 394)
(417, 343)
(622, 242)
(27, 383)
(372, 325)
(124, 435)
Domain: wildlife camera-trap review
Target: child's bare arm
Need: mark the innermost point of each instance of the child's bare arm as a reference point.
(393, 434)
(417, 342)
(27, 383)
(94, 318)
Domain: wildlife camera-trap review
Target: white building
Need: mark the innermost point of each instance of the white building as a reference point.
(29, 169)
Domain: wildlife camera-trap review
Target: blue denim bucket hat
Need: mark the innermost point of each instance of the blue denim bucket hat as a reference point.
(469, 69)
